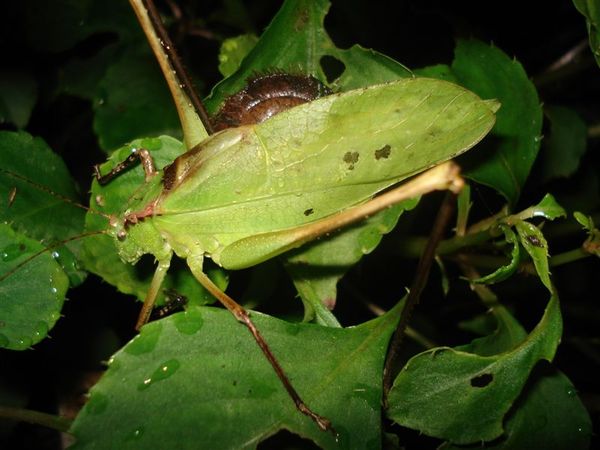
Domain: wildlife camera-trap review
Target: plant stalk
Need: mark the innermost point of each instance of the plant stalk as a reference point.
(58, 423)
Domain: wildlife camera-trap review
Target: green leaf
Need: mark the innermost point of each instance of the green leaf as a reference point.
(439, 71)
(535, 244)
(475, 391)
(32, 290)
(532, 408)
(490, 73)
(100, 254)
(364, 67)
(547, 415)
(592, 243)
(548, 208)
(317, 267)
(124, 110)
(591, 10)
(233, 51)
(585, 221)
(507, 335)
(44, 197)
(235, 399)
(563, 149)
(500, 330)
(504, 272)
(505, 161)
(303, 51)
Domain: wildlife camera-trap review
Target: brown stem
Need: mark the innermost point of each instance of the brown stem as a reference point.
(423, 268)
(571, 62)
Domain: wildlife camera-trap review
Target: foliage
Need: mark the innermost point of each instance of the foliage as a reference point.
(466, 378)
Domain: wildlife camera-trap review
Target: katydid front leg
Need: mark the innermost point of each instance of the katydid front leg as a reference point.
(137, 154)
(155, 285)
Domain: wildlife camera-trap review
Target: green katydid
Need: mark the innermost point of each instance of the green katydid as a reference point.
(247, 194)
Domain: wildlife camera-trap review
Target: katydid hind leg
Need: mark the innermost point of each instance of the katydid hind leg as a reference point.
(242, 316)
(242, 254)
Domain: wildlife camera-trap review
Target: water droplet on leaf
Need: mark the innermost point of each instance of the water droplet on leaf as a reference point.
(135, 434)
(164, 371)
(97, 403)
(41, 330)
(188, 322)
(24, 342)
(11, 252)
(146, 341)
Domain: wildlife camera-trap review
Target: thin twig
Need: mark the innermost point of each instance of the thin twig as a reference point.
(423, 268)
(36, 417)
(572, 61)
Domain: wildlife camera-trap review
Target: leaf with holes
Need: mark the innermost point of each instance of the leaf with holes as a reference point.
(476, 390)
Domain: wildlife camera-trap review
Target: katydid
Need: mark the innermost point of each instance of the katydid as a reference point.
(247, 194)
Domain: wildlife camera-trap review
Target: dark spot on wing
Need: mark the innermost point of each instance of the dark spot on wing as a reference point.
(351, 158)
(533, 240)
(309, 211)
(384, 152)
(481, 381)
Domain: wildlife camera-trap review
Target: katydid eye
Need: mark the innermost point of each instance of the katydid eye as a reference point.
(265, 96)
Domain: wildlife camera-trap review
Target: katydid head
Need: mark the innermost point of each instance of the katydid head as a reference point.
(133, 240)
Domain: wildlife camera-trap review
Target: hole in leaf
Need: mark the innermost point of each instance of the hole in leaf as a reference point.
(285, 439)
(332, 67)
(482, 380)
